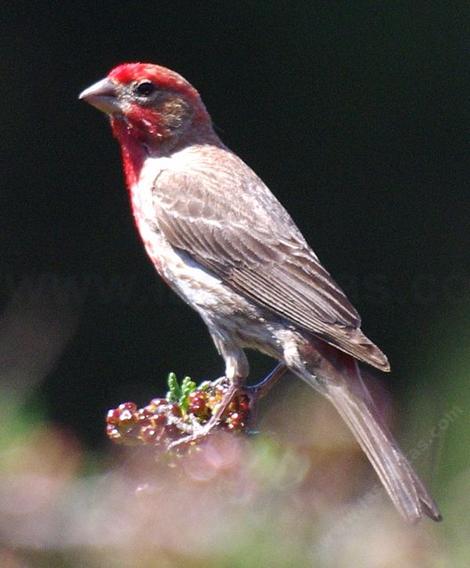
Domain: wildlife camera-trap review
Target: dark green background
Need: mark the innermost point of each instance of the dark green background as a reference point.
(354, 113)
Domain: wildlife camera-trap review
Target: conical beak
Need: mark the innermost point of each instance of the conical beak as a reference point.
(102, 95)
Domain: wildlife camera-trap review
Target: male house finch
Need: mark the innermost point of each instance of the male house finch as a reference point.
(223, 242)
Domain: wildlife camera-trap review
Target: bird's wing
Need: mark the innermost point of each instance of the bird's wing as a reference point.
(229, 222)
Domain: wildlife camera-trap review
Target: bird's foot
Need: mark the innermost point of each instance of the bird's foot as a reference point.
(252, 393)
(189, 413)
(202, 431)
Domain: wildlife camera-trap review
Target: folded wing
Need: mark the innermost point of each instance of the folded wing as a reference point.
(230, 223)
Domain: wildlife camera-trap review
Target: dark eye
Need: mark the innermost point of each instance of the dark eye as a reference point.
(144, 88)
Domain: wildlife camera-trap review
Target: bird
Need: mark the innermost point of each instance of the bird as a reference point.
(224, 243)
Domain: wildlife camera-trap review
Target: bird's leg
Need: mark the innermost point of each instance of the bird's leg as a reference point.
(236, 372)
(256, 392)
(265, 385)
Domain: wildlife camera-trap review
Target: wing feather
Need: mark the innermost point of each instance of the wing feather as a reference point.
(228, 221)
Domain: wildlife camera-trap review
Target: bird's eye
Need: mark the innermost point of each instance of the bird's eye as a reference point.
(144, 88)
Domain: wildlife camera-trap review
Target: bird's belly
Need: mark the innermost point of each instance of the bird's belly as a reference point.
(196, 285)
(222, 309)
(226, 313)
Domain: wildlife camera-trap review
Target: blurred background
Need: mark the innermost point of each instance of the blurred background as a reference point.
(357, 118)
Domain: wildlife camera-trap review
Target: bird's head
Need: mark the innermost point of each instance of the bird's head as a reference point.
(148, 105)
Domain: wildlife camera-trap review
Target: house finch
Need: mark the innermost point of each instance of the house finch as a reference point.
(224, 243)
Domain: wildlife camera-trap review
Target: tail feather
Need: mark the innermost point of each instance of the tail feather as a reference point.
(406, 490)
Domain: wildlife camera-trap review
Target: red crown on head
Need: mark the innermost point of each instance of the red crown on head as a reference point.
(161, 76)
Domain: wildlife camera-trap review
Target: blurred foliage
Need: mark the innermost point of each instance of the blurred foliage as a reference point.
(299, 494)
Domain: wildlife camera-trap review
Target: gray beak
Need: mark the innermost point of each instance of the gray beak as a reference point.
(102, 95)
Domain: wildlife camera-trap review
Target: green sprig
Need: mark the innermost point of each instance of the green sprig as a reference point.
(187, 387)
(179, 394)
(174, 394)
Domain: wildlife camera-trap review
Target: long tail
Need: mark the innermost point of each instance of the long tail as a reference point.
(352, 400)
